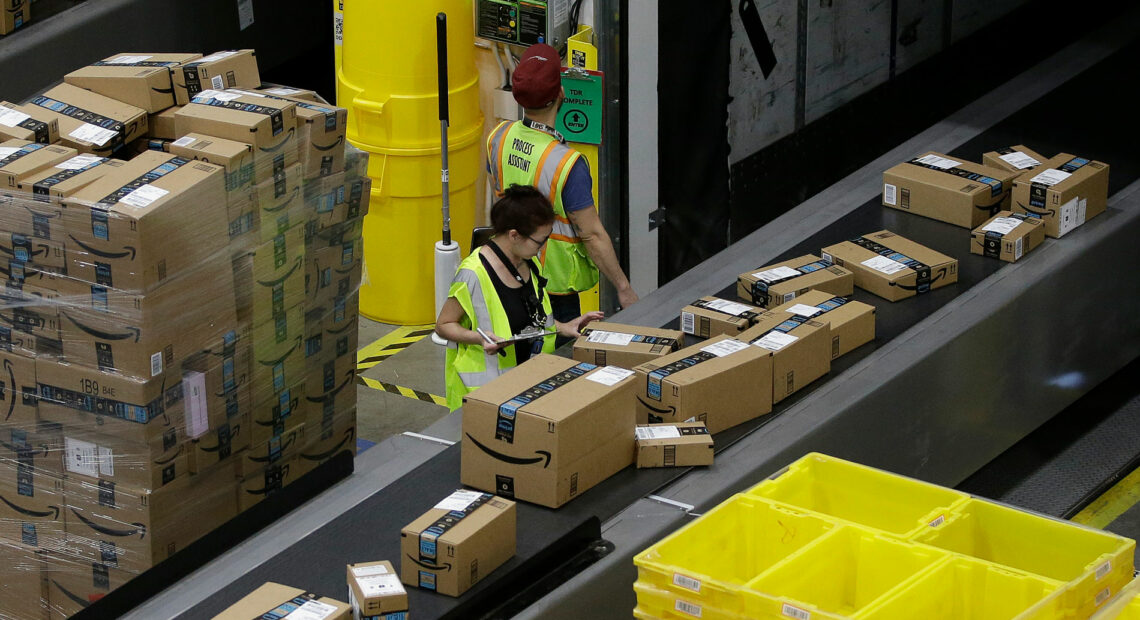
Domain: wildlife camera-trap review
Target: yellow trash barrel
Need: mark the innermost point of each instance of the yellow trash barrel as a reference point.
(387, 81)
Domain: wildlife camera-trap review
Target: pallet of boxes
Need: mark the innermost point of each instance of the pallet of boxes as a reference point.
(179, 325)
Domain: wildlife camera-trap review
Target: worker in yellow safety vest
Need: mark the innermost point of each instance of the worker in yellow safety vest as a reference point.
(532, 152)
(497, 294)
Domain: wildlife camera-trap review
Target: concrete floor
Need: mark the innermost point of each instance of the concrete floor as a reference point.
(381, 414)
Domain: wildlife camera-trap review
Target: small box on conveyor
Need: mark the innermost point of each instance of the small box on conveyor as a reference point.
(710, 316)
(852, 322)
(1065, 192)
(1007, 236)
(893, 267)
(627, 346)
(780, 283)
(375, 591)
(1016, 159)
(957, 192)
(801, 348)
(273, 600)
(682, 444)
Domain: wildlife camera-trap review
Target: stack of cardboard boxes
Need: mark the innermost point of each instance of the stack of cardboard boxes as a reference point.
(178, 328)
(14, 14)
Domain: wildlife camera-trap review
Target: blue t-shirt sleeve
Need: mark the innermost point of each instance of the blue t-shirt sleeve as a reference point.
(576, 194)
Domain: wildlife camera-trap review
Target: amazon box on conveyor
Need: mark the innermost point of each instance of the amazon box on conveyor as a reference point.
(151, 220)
(90, 122)
(683, 444)
(460, 541)
(722, 382)
(710, 316)
(1015, 159)
(852, 322)
(800, 345)
(270, 125)
(625, 345)
(780, 283)
(960, 193)
(228, 69)
(1064, 191)
(1007, 236)
(27, 123)
(142, 80)
(548, 430)
(273, 600)
(375, 590)
(893, 267)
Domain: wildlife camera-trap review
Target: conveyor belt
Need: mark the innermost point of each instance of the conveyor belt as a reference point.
(925, 346)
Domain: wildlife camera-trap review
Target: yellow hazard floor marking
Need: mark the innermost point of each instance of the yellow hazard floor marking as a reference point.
(1113, 503)
(392, 343)
(401, 391)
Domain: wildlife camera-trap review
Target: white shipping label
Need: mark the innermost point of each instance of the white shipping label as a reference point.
(127, 60)
(79, 162)
(687, 608)
(11, 118)
(1103, 570)
(156, 364)
(728, 307)
(939, 162)
(184, 141)
(369, 571)
(804, 310)
(688, 323)
(827, 257)
(609, 375)
(197, 414)
(338, 29)
(215, 56)
(774, 341)
(884, 265)
(106, 461)
(312, 610)
(92, 134)
(284, 92)
(663, 432)
(792, 611)
(1018, 247)
(725, 347)
(779, 273)
(5, 151)
(615, 338)
(789, 296)
(1050, 177)
(890, 194)
(380, 585)
(1019, 160)
(1082, 207)
(686, 582)
(81, 457)
(217, 82)
(144, 196)
(459, 500)
(1067, 217)
(1003, 225)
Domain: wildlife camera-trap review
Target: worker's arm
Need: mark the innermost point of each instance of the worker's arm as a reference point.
(601, 249)
(448, 326)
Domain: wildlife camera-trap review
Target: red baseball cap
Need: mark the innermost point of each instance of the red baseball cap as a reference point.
(537, 79)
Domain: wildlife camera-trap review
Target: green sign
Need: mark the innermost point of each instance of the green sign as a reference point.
(580, 117)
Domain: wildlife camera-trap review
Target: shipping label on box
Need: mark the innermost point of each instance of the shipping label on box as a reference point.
(801, 348)
(273, 600)
(220, 70)
(549, 430)
(53, 185)
(139, 79)
(457, 543)
(1008, 236)
(627, 346)
(780, 283)
(1064, 192)
(721, 382)
(20, 159)
(90, 122)
(961, 193)
(95, 456)
(709, 316)
(27, 123)
(683, 444)
(1015, 159)
(893, 267)
(31, 505)
(852, 322)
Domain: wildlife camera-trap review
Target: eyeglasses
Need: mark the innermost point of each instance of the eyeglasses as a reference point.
(536, 241)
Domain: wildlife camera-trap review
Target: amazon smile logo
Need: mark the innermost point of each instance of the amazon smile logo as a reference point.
(127, 250)
(132, 332)
(11, 382)
(296, 265)
(281, 360)
(670, 411)
(78, 600)
(907, 287)
(443, 567)
(52, 511)
(140, 528)
(274, 149)
(296, 192)
(1035, 210)
(331, 146)
(348, 435)
(543, 456)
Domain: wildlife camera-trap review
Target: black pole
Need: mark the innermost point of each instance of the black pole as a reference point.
(445, 174)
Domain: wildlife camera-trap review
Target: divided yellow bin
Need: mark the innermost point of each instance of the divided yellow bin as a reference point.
(656, 603)
(1126, 606)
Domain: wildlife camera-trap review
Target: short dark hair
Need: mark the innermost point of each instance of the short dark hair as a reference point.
(522, 208)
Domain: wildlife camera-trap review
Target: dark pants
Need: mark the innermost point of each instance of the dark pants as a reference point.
(566, 308)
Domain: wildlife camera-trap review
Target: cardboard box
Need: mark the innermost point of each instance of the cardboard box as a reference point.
(22, 591)
(718, 382)
(801, 349)
(72, 584)
(20, 158)
(31, 505)
(1008, 236)
(852, 322)
(98, 457)
(710, 316)
(141, 80)
(464, 538)
(18, 342)
(279, 449)
(267, 480)
(155, 218)
(235, 157)
(338, 203)
(548, 450)
(133, 529)
(280, 203)
(270, 125)
(275, 410)
(1015, 159)
(355, 163)
(90, 122)
(278, 355)
(161, 125)
(226, 69)
(948, 190)
(780, 283)
(273, 598)
(1064, 191)
(324, 443)
(332, 272)
(55, 184)
(17, 392)
(16, 13)
(684, 444)
(326, 341)
(220, 444)
(374, 589)
(614, 344)
(326, 411)
(278, 90)
(893, 267)
(39, 253)
(27, 123)
(321, 131)
(37, 445)
(266, 287)
(32, 311)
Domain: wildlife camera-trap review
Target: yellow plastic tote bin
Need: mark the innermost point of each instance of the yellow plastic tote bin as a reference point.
(657, 603)
(838, 575)
(1096, 564)
(1126, 605)
(710, 559)
(859, 494)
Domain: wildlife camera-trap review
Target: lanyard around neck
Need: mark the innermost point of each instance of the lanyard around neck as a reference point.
(544, 128)
(515, 272)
